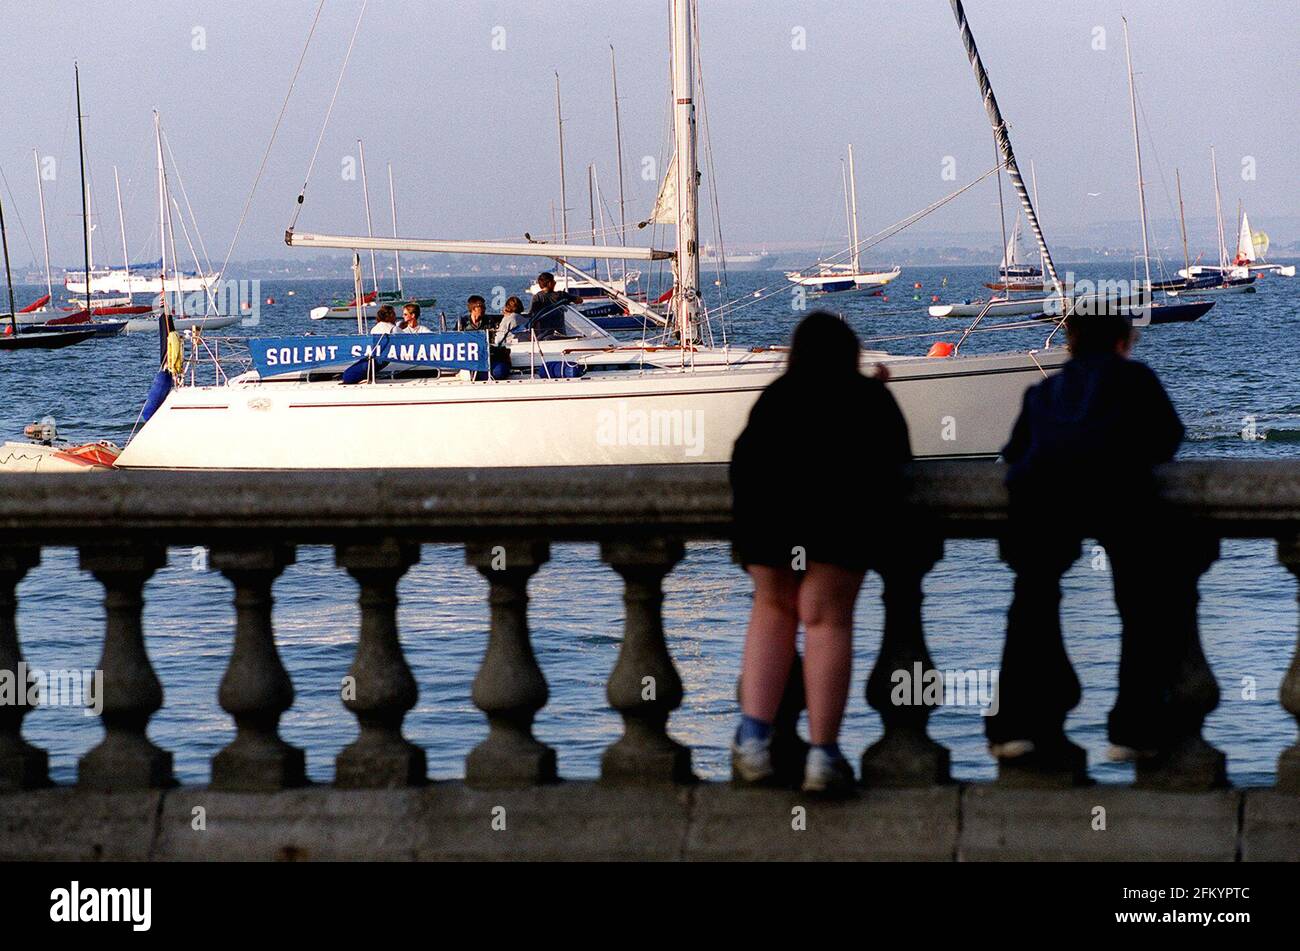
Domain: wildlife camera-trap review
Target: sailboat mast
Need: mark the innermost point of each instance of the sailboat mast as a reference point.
(848, 214)
(686, 300)
(1003, 139)
(392, 204)
(162, 217)
(1182, 221)
(618, 153)
(4, 240)
(1137, 152)
(1218, 211)
(370, 231)
(121, 225)
(591, 207)
(85, 204)
(564, 197)
(853, 200)
(45, 237)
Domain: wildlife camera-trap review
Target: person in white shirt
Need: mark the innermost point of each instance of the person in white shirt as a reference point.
(512, 321)
(385, 321)
(411, 321)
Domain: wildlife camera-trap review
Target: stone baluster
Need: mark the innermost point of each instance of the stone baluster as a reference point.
(1288, 764)
(509, 687)
(905, 755)
(380, 687)
(1037, 686)
(132, 693)
(644, 686)
(1189, 762)
(22, 766)
(256, 689)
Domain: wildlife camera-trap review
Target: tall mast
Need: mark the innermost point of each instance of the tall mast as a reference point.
(45, 237)
(370, 231)
(1182, 221)
(1004, 140)
(121, 224)
(162, 216)
(853, 200)
(85, 204)
(618, 152)
(1218, 211)
(686, 299)
(392, 204)
(564, 198)
(1137, 151)
(591, 207)
(4, 241)
(848, 213)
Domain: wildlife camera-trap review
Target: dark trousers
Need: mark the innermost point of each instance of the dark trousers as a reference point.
(1037, 686)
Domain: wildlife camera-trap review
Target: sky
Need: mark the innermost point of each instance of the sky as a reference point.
(460, 99)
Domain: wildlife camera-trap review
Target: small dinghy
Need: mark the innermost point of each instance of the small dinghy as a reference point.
(45, 451)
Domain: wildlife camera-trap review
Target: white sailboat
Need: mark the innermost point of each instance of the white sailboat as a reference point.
(1251, 248)
(577, 397)
(844, 278)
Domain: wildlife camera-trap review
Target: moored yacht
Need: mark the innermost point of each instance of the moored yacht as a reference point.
(566, 392)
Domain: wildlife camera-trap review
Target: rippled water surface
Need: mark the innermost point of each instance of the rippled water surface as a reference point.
(1235, 363)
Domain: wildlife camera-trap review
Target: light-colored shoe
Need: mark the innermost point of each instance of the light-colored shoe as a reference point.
(751, 761)
(826, 775)
(1116, 753)
(1011, 749)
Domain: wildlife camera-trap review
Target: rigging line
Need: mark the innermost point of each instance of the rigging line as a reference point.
(720, 256)
(1002, 218)
(207, 262)
(210, 299)
(267, 154)
(302, 192)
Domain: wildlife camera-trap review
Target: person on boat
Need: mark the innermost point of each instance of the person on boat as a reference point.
(512, 321)
(411, 320)
(385, 321)
(805, 547)
(476, 318)
(1081, 457)
(546, 312)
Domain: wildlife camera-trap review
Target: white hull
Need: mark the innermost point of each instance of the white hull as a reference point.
(587, 421)
(117, 282)
(142, 324)
(1007, 308)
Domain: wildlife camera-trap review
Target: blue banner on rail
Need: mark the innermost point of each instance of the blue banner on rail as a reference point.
(463, 350)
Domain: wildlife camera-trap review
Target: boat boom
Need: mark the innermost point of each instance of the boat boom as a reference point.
(302, 239)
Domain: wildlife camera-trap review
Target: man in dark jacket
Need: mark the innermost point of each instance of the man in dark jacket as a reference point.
(1081, 457)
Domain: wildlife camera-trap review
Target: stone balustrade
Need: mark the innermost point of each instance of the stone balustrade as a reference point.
(647, 802)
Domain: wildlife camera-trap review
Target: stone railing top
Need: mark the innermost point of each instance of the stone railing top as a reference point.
(1233, 498)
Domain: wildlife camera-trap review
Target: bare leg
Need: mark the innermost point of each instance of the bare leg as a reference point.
(769, 642)
(826, 600)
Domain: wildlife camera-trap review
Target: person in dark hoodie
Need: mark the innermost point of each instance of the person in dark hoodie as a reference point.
(818, 462)
(1081, 457)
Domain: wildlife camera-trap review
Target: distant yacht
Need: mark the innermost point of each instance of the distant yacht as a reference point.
(844, 278)
(756, 261)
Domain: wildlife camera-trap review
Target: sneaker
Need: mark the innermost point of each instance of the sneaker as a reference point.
(827, 775)
(1117, 753)
(1011, 749)
(751, 761)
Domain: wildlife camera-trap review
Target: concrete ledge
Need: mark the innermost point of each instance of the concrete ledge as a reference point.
(1271, 827)
(1099, 824)
(585, 821)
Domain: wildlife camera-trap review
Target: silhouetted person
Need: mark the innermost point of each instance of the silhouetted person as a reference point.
(820, 456)
(1081, 457)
